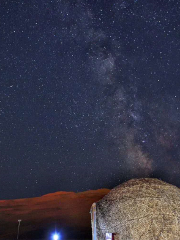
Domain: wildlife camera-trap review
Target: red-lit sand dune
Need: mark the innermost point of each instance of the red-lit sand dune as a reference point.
(69, 211)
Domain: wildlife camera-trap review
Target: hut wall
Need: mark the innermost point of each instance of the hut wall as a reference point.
(147, 210)
(93, 221)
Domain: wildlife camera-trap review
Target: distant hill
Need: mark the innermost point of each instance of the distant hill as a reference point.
(67, 211)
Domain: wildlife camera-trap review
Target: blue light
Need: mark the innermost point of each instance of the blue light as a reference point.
(55, 236)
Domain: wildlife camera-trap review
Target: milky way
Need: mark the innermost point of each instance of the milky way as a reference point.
(90, 94)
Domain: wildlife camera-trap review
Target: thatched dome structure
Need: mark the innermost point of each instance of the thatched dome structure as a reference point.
(143, 209)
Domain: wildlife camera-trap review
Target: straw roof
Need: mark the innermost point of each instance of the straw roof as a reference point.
(140, 209)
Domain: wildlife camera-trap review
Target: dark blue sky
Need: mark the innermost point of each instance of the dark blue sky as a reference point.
(90, 94)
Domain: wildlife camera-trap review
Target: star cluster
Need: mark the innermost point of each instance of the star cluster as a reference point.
(90, 94)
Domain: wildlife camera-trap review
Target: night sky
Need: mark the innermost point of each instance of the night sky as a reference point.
(89, 94)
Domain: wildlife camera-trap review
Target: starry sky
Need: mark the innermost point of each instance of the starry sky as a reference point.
(89, 94)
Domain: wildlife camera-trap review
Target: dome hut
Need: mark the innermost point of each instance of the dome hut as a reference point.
(143, 209)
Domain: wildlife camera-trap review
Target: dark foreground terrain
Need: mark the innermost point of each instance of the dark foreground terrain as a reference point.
(67, 211)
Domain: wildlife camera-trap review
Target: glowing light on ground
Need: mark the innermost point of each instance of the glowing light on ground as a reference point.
(55, 236)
